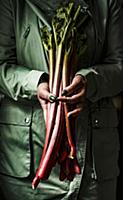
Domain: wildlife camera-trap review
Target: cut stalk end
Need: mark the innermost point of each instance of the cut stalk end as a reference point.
(35, 182)
(71, 156)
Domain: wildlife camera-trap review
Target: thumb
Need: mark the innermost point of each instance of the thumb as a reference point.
(44, 94)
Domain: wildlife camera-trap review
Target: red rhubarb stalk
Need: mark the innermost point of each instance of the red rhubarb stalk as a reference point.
(45, 163)
(66, 81)
(57, 44)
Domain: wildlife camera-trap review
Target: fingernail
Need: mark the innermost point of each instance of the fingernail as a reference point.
(64, 93)
(53, 98)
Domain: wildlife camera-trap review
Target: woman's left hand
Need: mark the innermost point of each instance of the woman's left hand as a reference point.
(74, 94)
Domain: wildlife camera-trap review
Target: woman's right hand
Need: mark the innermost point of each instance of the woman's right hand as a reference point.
(43, 94)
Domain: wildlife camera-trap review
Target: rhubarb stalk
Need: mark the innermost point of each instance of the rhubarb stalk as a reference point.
(59, 143)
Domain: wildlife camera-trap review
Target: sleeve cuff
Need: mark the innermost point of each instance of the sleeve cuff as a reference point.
(43, 78)
(31, 81)
(89, 74)
(85, 72)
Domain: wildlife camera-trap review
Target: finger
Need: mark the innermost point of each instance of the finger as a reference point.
(44, 105)
(77, 110)
(52, 98)
(70, 89)
(80, 96)
(75, 85)
(74, 112)
(44, 93)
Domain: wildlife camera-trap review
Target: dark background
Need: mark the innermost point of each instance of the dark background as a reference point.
(120, 180)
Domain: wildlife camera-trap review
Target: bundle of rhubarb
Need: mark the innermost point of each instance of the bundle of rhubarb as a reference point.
(63, 52)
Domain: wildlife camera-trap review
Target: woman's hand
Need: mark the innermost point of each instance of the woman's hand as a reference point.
(43, 97)
(43, 94)
(74, 94)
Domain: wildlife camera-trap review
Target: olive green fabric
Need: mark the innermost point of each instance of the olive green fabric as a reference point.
(90, 189)
(22, 62)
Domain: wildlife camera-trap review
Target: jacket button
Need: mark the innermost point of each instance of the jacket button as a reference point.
(27, 120)
(96, 122)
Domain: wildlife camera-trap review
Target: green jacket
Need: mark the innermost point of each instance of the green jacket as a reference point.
(22, 62)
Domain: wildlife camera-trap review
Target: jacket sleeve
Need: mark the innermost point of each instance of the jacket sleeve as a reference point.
(15, 81)
(106, 78)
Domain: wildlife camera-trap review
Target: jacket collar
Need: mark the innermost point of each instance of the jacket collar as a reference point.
(53, 4)
(46, 9)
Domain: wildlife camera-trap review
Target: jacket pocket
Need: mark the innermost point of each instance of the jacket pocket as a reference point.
(105, 142)
(15, 120)
(105, 118)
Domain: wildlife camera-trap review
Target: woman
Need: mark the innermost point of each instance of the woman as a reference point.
(24, 85)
